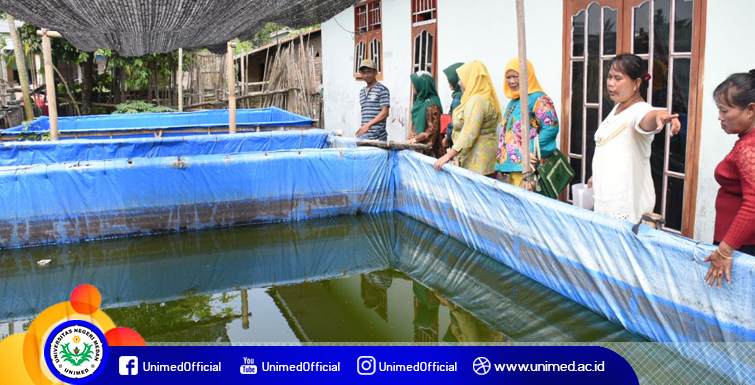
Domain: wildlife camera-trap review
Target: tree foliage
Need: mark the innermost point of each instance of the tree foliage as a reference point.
(262, 38)
(139, 70)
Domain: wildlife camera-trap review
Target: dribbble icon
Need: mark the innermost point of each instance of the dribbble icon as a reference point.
(366, 365)
(128, 365)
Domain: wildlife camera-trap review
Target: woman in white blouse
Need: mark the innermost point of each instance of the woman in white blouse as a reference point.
(623, 185)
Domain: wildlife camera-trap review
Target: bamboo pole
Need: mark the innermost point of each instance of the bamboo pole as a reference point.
(523, 94)
(68, 90)
(231, 88)
(179, 79)
(52, 103)
(4, 84)
(32, 66)
(49, 34)
(23, 76)
(54, 34)
(200, 78)
(244, 309)
(242, 65)
(265, 70)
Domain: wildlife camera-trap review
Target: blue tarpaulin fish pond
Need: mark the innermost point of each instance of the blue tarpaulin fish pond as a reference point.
(159, 124)
(650, 283)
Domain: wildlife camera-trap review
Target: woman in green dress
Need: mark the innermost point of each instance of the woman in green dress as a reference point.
(475, 122)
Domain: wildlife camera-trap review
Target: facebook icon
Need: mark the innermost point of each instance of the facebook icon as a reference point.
(128, 365)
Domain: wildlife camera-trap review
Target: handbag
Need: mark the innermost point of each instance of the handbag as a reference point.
(553, 174)
(445, 120)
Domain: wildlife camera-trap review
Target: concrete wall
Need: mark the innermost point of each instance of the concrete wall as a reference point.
(723, 56)
(488, 36)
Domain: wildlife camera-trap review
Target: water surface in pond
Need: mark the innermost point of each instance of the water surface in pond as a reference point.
(367, 278)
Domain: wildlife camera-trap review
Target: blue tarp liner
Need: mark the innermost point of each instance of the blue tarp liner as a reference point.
(60, 202)
(24, 153)
(652, 283)
(261, 117)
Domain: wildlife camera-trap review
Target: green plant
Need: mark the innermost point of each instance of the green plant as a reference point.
(138, 107)
(27, 134)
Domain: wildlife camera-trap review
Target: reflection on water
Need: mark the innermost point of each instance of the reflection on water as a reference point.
(372, 278)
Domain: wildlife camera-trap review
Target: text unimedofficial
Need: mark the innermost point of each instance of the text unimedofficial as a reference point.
(418, 367)
(302, 367)
(182, 367)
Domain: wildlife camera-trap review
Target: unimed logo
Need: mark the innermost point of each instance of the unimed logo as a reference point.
(128, 365)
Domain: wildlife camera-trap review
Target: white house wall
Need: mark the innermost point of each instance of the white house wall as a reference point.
(725, 53)
(486, 31)
(342, 90)
(482, 30)
(397, 62)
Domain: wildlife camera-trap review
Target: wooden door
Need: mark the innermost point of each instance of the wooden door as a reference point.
(667, 35)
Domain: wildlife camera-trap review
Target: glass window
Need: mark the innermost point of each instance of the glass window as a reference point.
(375, 54)
(683, 25)
(610, 19)
(423, 51)
(423, 12)
(360, 21)
(674, 203)
(641, 29)
(367, 41)
(576, 164)
(577, 96)
(679, 105)
(659, 93)
(593, 53)
(376, 17)
(578, 34)
(359, 55)
(593, 121)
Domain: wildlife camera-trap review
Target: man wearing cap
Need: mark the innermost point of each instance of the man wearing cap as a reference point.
(375, 100)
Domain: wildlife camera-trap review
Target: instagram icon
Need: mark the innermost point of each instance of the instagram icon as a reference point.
(366, 365)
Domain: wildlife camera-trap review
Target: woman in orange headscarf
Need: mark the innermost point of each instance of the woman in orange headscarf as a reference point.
(475, 121)
(543, 122)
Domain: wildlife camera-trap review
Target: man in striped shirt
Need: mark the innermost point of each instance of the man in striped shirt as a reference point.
(375, 100)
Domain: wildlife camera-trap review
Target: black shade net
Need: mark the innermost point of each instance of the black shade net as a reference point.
(137, 27)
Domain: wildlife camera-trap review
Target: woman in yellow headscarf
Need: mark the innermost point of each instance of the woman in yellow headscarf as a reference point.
(475, 121)
(543, 122)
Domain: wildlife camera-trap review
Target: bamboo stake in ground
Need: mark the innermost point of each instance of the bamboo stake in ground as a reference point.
(231, 89)
(50, 85)
(23, 77)
(523, 94)
(179, 79)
